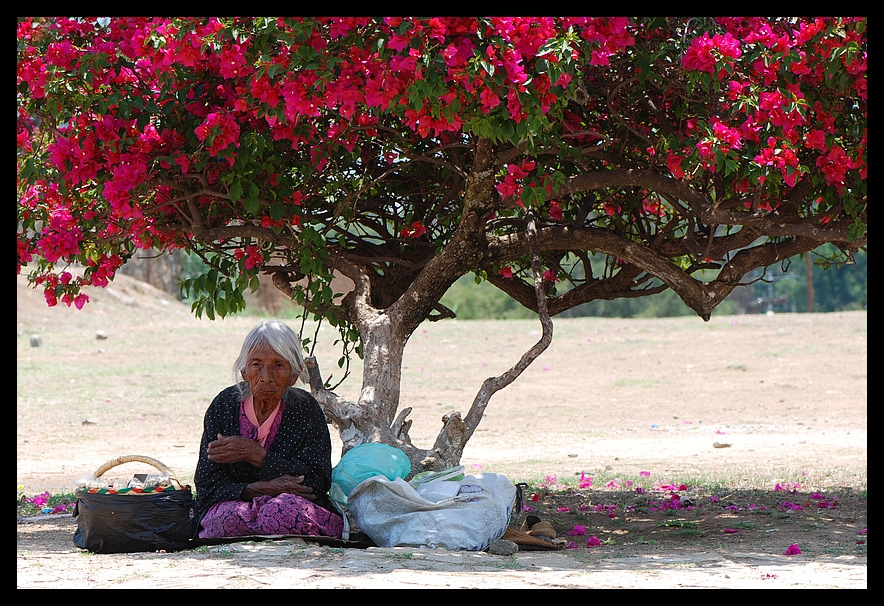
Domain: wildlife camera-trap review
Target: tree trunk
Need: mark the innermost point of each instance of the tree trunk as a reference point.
(384, 335)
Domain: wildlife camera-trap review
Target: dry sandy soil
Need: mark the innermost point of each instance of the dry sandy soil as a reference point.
(610, 399)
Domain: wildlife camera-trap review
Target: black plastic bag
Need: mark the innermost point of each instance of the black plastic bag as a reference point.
(125, 523)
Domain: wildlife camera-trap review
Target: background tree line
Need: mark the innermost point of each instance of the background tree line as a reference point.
(781, 289)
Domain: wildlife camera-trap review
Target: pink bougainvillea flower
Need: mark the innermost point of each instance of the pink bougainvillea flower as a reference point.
(644, 474)
(640, 490)
(416, 230)
(571, 545)
(793, 549)
(714, 499)
(578, 529)
(593, 542)
(555, 211)
(863, 531)
(613, 484)
(563, 509)
(730, 530)
(672, 487)
(585, 481)
(39, 500)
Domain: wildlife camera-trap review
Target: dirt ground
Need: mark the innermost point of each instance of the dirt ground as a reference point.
(668, 453)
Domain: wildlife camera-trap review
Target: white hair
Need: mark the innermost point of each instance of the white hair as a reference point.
(284, 341)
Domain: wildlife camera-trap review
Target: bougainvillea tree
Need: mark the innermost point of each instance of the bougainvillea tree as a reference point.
(404, 153)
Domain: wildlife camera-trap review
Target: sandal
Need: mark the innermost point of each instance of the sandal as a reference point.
(536, 527)
(527, 542)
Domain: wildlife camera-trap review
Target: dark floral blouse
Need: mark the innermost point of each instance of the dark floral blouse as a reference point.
(302, 446)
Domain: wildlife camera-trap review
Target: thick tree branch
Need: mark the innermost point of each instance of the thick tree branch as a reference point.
(462, 431)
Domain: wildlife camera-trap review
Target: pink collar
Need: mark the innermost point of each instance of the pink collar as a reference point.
(263, 428)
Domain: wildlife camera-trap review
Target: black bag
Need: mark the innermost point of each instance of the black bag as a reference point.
(128, 522)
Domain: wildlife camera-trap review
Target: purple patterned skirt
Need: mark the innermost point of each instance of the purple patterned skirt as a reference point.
(265, 515)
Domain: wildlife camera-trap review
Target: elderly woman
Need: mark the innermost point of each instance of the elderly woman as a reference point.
(265, 456)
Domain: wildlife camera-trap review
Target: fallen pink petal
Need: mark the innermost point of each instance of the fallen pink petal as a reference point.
(730, 530)
(563, 509)
(644, 474)
(577, 530)
(585, 481)
(793, 549)
(593, 542)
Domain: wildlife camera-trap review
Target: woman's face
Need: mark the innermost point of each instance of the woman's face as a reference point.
(268, 374)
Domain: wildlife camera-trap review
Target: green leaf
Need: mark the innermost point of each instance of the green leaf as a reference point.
(251, 202)
(221, 307)
(236, 191)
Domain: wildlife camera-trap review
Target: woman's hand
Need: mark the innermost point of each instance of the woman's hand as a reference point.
(233, 449)
(276, 486)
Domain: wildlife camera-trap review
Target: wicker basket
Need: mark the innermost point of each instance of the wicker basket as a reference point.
(133, 520)
(138, 459)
